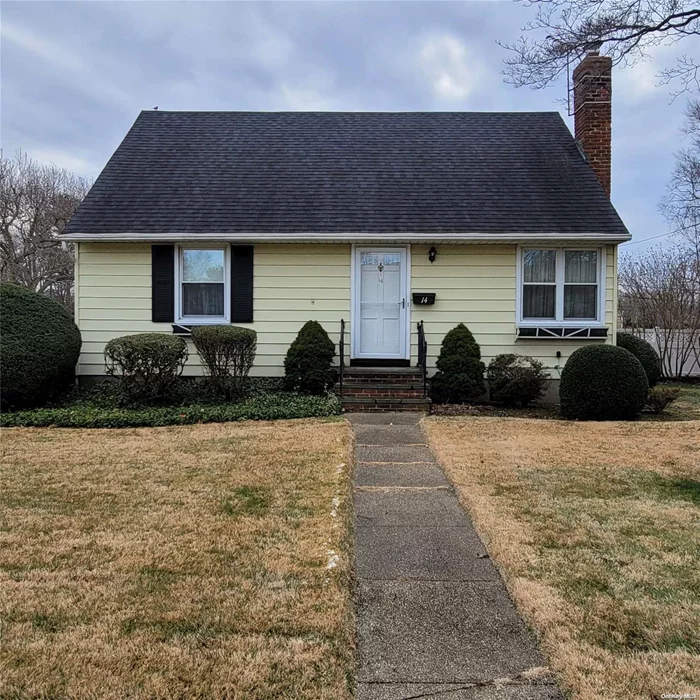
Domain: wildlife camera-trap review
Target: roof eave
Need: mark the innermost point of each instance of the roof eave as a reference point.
(349, 237)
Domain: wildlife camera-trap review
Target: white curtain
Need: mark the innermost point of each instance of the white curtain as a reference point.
(202, 299)
(540, 265)
(580, 301)
(539, 300)
(581, 266)
(580, 290)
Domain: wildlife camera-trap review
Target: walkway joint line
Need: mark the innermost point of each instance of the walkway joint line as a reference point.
(383, 464)
(403, 488)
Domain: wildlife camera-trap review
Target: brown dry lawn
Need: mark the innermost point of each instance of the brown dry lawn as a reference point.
(596, 529)
(184, 562)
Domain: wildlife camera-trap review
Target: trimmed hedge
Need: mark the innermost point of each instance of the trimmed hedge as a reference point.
(645, 353)
(39, 347)
(267, 407)
(228, 353)
(460, 375)
(516, 380)
(308, 364)
(147, 365)
(603, 382)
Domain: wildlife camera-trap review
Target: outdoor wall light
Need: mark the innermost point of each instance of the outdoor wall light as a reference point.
(432, 254)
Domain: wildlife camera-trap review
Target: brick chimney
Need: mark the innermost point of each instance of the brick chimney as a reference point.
(593, 112)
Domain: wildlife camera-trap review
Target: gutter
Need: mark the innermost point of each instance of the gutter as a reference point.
(347, 237)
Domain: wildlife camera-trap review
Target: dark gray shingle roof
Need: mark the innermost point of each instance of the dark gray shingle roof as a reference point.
(298, 172)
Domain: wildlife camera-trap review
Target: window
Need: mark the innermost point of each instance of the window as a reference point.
(203, 285)
(539, 284)
(580, 284)
(560, 286)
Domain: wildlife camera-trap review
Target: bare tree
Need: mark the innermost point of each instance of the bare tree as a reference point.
(660, 300)
(562, 31)
(36, 202)
(682, 204)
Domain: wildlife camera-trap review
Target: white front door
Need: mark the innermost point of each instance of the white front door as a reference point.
(380, 303)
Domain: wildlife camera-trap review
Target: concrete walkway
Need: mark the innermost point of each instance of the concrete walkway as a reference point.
(434, 618)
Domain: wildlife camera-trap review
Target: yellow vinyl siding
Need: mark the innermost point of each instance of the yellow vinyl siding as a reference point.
(475, 284)
(293, 284)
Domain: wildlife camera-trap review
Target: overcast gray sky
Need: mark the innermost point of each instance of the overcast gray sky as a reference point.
(76, 74)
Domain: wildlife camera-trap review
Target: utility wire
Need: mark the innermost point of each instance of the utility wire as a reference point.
(653, 238)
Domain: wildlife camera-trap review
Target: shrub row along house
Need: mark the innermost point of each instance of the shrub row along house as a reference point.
(402, 225)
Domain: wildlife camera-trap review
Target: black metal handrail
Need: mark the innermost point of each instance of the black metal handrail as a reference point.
(341, 353)
(423, 357)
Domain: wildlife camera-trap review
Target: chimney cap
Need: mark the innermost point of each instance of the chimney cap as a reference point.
(593, 48)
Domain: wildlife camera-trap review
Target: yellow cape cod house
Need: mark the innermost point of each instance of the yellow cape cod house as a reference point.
(386, 221)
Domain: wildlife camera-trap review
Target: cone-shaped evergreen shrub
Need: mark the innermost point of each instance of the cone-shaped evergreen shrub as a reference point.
(603, 382)
(645, 353)
(460, 375)
(308, 365)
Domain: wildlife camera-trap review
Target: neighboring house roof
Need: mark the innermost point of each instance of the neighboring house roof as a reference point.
(330, 173)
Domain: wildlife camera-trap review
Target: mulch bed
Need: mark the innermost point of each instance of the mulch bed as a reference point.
(489, 410)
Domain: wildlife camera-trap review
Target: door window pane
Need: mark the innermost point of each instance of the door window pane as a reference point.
(580, 301)
(539, 300)
(202, 265)
(202, 299)
(540, 265)
(581, 266)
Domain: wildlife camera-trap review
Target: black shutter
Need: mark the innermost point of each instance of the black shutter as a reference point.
(241, 283)
(163, 283)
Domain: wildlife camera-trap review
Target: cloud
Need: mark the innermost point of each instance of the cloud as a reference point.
(304, 98)
(450, 67)
(641, 80)
(64, 65)
(75, 74)
(67, 160)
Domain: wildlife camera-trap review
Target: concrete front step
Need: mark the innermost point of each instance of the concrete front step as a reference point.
(382, 404)
(382, 370)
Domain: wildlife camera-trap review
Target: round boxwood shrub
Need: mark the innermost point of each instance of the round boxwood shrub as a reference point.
(603, 382)
(516, 380)
(228, 353)
(39, 347)
(147, 365)
(308, 366)
(645, 353)
(460, 375)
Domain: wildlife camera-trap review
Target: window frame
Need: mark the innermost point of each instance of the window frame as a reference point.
(208, 320)
(560, 282)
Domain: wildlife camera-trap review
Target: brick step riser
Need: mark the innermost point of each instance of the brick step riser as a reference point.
(373, 393)
(401, 386)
